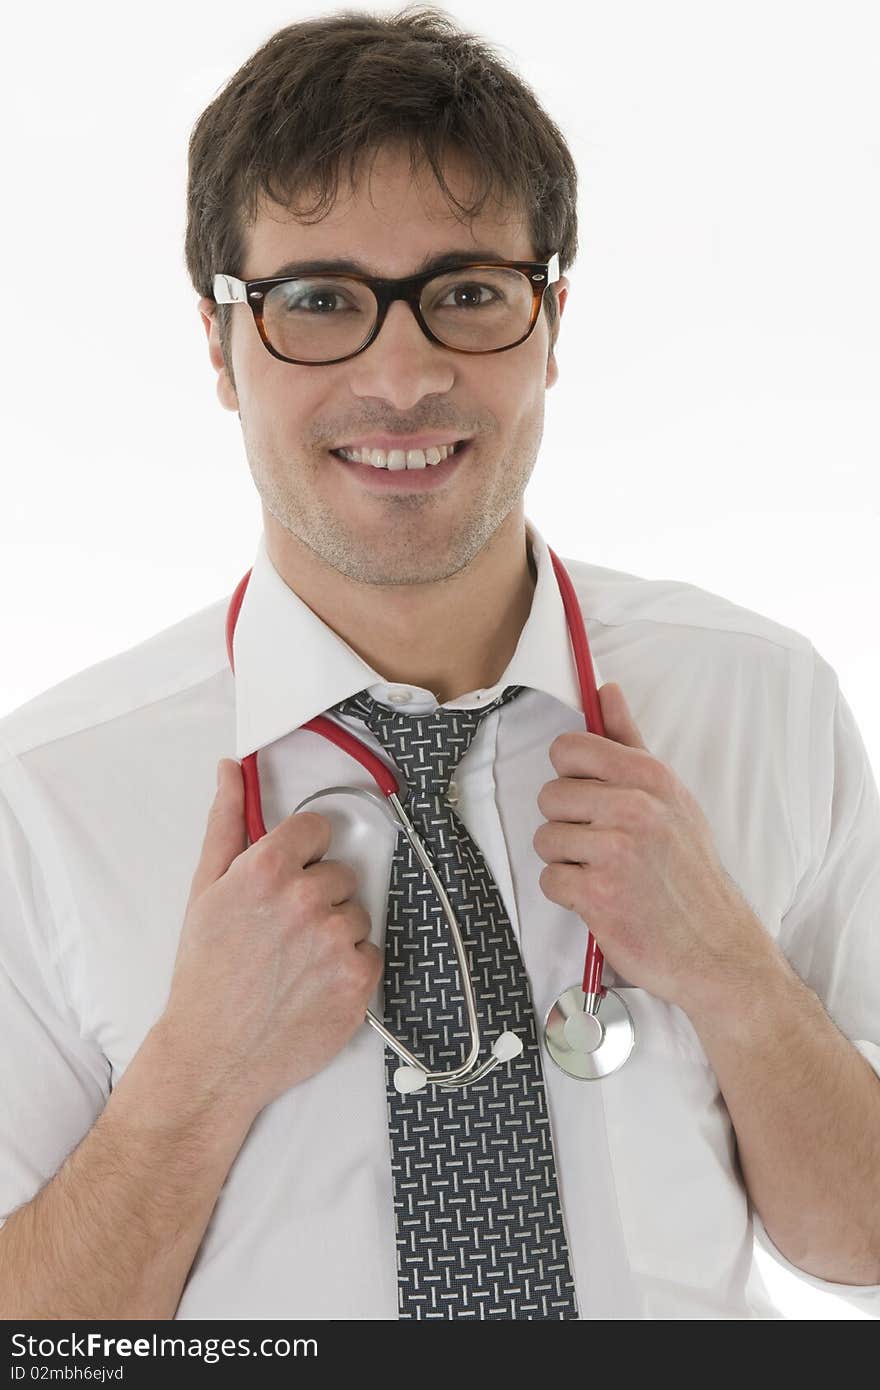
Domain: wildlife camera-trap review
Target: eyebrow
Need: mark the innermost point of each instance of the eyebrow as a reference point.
(342, 266)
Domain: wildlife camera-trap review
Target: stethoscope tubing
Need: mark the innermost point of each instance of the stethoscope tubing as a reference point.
(593, 990)
(403, 821)
(592, 985)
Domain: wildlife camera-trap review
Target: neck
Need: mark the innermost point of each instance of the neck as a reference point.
(450, 637)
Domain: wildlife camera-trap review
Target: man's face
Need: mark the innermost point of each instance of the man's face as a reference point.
(403, 384)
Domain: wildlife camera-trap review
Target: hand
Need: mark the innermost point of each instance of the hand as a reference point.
(628, 848)
(274, 969)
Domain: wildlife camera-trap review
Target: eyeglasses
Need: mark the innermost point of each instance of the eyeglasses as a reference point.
(317, 319)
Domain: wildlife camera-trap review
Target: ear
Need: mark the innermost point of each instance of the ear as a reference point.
(560, 288)
(226, 392)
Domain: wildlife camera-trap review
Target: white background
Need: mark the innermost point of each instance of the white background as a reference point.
(716, 418)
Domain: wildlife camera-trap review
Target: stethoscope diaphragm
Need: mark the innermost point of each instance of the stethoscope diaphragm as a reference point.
(585, 1045)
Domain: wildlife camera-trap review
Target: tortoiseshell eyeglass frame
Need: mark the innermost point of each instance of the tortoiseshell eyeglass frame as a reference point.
(540, 274)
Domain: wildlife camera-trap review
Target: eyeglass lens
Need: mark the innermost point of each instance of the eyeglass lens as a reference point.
(318, 318)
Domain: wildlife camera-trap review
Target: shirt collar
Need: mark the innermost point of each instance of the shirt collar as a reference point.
(290, 665)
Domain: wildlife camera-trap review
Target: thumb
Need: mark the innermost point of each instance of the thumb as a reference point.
(619, 723)
(225, 834)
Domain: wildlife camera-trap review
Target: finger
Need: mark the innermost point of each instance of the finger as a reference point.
(561, 844)
(335, 879)
(371, 952)
(305, 835)
(584, 845)
(359, 922)
(584, 800)
(225, 833)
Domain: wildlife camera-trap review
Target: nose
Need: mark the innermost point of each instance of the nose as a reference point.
(401, 365)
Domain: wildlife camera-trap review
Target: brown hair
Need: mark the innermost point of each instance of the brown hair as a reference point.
(342, 85)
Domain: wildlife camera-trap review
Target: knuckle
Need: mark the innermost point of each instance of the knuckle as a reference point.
(659, 776)
(349, 977)
(363, 922)
(604, 889)
(372, 972)
(557, 748)
(312, 828)
(371, 956)
(645, 803)
(377, 958)
(351, 974)
(307, 894)
(548, 878)
(616, 848)
(336, 927)
(345, 879)
(268, 866)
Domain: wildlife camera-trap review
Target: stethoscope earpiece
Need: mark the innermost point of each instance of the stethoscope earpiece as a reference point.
(506, 1047)
(409, 1079)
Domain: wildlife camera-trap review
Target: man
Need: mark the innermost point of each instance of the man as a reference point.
(238, 1145)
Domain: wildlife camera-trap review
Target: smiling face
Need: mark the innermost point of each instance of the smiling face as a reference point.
(382, 528)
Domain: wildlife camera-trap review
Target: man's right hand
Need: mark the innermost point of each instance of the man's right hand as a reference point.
(274, 967)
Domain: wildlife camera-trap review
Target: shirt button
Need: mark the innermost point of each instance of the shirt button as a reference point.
(452, 794)
(398, 695)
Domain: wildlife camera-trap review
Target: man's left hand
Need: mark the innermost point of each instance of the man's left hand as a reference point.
(628, 848)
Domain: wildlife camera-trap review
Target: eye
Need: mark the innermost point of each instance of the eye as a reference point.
(319, 301)
(467, 295)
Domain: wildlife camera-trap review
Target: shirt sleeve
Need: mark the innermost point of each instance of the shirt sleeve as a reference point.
(831, 930)
(53, 1081)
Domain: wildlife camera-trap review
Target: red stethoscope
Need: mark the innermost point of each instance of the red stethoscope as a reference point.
(582, 1043)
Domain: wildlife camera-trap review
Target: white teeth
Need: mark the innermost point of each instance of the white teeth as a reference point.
(399, 458)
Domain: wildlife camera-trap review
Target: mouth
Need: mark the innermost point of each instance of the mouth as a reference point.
(414, 470)
(396, 460)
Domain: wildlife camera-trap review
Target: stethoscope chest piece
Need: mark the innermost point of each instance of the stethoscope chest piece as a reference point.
(584, 1045)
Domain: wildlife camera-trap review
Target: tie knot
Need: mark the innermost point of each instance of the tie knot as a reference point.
(426, 748)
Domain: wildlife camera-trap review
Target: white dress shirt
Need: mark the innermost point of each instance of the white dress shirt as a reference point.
(105, 785)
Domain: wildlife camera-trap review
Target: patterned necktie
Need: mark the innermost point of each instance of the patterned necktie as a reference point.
(479, 1224)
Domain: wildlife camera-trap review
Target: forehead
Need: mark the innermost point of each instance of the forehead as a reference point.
(388, 220)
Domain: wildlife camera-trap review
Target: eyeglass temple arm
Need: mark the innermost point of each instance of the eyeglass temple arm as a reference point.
(228, 290)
